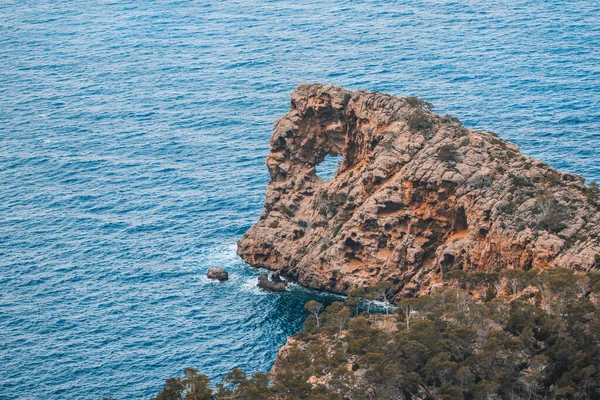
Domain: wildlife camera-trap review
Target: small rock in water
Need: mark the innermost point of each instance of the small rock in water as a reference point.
(217, 273)
(275, 284)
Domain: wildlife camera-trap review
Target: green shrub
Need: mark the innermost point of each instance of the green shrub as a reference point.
(303, 223)
(450, 119)
(418, 103)
(287, 210)
(593, 193)
(551, 215)
(337, 229)
(519, 180)
(447, 152)
(418, 120)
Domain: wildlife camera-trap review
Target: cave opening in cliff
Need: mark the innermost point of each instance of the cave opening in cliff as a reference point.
(461, 223)
(326, 169)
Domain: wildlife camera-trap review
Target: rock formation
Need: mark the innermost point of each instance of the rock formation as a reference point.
(217, 273)
(416, 195)
(275, 284)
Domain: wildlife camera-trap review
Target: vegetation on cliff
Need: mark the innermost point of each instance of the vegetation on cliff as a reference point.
(484, 261)
(515, 335)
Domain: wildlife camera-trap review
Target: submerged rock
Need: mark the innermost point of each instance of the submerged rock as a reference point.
(416, 195)
(275, 284)
(218, 273)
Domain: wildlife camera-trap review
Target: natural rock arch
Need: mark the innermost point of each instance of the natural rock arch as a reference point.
(415, 195)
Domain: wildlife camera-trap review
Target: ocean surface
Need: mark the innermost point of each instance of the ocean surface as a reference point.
(133, 136)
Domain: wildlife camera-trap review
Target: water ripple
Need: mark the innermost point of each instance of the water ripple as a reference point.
(132, 144)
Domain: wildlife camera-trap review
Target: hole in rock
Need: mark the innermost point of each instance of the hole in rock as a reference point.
(326, 169)
(461, 220)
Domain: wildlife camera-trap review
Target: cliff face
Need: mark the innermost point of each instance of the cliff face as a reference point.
(416, 195)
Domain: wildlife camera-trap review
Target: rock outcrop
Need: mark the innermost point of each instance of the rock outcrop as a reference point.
(217, 273)
(275, 284)
(416, 195)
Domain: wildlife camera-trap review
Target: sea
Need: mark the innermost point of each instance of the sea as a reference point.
(133, 138)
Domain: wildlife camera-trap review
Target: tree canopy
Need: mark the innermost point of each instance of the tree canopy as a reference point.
(514, 335)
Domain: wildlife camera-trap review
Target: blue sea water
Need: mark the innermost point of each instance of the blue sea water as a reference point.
(133, 136)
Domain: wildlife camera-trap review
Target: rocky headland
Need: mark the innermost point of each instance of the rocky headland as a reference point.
(491, 258)
(417, 195)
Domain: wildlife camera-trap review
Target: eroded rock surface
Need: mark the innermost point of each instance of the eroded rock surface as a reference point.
(275, 284)
(217, 273)
(416, 195)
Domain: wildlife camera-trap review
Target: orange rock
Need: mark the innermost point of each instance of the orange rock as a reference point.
(416, 195)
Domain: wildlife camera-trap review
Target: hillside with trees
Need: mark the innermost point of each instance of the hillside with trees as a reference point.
(515, 335)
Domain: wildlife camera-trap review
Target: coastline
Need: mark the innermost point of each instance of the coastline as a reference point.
(416, 195)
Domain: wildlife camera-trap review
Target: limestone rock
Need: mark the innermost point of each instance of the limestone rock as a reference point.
(275, 284)
(416, 195)
(217, 273)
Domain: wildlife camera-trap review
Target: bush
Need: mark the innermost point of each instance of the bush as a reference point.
(287, 210)
(593, 193)
(418, 103)
(551, 215)
(337, 229)
(554, 178)
(447, 152)
(419, 120)
(446, 344)
(303, 223)
(520, 180)
(450, 119)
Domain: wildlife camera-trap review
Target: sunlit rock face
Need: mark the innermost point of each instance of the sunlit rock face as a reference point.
(416, 195)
